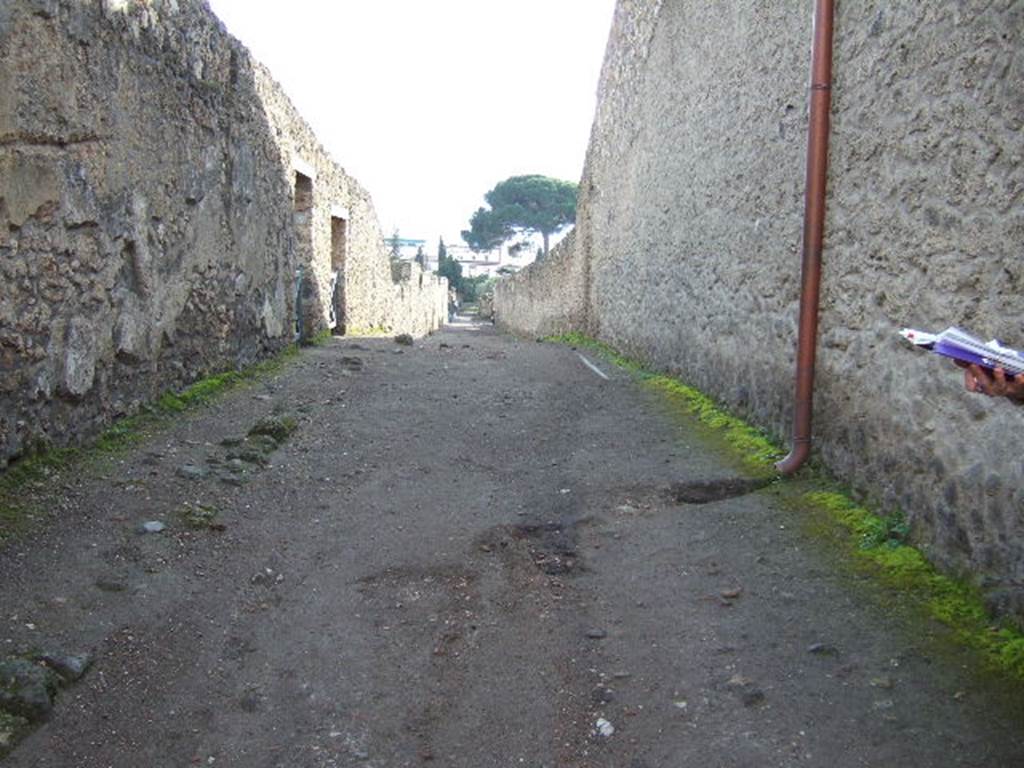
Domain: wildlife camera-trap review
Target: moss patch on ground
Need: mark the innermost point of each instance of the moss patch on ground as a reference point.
(31, 474)
(35, 471)
(752, 447)
(200, 517)
(606, 351)
(12, 728)
(279, 428)
(873, 543)
(754, 450)
(321, 338)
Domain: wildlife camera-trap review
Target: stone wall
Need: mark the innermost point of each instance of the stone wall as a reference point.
(372, 295)
(689, 236)
(148, 231)
(547, 299)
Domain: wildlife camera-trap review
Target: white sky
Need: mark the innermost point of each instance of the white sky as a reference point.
(430, 103)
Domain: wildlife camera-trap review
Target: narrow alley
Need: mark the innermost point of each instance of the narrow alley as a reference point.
(466, 554)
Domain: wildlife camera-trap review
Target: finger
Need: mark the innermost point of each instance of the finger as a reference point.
(970, 383)
(1015, 385)
(982, 381)
(999, 382)
(1016, 389)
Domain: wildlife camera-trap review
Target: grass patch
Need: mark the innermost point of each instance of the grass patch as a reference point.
(31, 473)
(872, 543)
(128, 431)
(34, 471)
(320, 338)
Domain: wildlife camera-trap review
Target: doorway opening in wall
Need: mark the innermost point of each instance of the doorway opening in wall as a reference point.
(339, 234)
(303, 218)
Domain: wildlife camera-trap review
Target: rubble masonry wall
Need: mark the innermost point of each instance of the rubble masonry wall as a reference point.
(688, 238)
(147, 226)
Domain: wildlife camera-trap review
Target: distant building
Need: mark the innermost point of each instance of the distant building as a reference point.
(407, 247)
(507, 258)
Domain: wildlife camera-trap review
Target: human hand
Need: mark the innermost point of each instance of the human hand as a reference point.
(994, 383)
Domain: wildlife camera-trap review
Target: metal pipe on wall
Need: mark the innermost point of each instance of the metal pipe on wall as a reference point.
(814, 234)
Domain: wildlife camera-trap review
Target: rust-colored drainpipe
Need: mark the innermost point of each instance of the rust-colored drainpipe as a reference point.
(814, 234)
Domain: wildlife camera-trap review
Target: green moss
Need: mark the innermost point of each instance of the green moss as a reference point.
(751, 446)
(757, 452)
(206, 389)
(12, 728)
(27, 474)
(129, 430)
(606, 351)
(871, 543)
(320, 338)
(903, 569)
(200, 516)
(278, 428)
(1011, 652)
(874, 531)
(32, 472)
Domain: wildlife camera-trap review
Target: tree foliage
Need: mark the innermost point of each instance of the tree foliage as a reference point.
(522, 205)
(474, 287)
(448, 267)
(468, 288)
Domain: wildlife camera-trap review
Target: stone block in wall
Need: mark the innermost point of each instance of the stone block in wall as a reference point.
(30, 185)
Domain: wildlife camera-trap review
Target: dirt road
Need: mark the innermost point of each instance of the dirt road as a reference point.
(464, 555)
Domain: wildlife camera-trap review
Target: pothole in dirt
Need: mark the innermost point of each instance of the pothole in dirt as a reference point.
(552, 545)
(707, 491)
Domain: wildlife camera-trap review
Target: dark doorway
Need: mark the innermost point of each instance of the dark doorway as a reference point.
(303, 218)
(339, 242)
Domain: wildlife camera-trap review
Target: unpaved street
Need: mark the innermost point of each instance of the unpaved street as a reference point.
(464, 555)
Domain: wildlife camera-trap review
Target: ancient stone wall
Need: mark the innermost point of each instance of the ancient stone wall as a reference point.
(548, 299)
(690, 225)
(372, 296)
(149, 231)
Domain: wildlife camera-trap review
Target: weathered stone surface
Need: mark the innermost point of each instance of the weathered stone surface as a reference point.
(277, 428)
(26, 689)
(549, 297)
(192, 472)
(70, 667)
(687, 243)
(148, 225)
